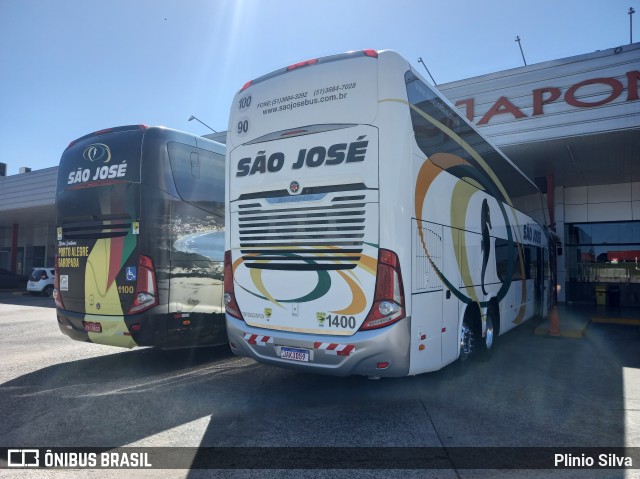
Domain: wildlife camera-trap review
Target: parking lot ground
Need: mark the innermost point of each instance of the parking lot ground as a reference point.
(534, 392)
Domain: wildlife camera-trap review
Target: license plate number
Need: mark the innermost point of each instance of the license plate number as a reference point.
(293, 354)
(92, 327)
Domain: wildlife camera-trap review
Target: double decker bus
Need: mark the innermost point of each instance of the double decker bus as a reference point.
(371, 229)
(140, 242)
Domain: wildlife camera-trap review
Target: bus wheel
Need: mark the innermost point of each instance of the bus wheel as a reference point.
(492, 325)
(468, 336)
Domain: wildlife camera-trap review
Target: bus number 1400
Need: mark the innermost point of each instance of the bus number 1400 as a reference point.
(341, 321)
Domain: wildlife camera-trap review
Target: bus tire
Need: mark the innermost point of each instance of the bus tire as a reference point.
(470, 334)
(487, 344)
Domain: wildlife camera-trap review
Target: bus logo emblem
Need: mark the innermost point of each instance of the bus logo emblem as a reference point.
(267, 313)
(294, 187)
(98, 152)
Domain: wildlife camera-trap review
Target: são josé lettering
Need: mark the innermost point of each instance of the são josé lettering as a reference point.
(312, 158)
(101, 173)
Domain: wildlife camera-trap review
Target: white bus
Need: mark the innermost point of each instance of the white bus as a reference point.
(371, 229)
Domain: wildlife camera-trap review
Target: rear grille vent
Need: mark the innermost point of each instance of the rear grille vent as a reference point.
(303, 239)
(106, 226)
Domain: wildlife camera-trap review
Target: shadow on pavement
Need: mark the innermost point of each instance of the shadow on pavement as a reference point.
(23, 298)
(535, 391)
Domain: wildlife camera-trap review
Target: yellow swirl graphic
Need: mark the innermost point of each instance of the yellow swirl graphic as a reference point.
(425, 179)
(359, 300)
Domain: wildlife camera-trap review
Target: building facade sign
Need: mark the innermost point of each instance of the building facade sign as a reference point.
(588, 94)
(580, 95)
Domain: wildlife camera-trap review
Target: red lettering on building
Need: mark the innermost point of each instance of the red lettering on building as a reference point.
(469, 107)
(547, 95)
(632, 85)
(616, 89)
(539, 100)
(502, 106)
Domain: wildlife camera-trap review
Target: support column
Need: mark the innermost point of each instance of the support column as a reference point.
(551, 202)
(14, 247)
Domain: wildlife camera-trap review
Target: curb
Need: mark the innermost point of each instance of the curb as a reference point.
(574, 332)
(623, 321)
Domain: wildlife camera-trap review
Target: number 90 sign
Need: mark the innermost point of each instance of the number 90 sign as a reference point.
(242, 127)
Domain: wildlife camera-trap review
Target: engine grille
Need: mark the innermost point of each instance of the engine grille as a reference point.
(303, 238)
(105, 226)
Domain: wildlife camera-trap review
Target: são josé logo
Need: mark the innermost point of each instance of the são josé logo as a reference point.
(100, 155)
(97, 152)
(294, 187)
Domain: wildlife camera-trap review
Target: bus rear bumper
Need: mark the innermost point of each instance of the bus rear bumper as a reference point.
(383, 352)
(146, 329)
(112, 329)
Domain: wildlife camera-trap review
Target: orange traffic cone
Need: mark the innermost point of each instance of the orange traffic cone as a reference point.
(554, 323)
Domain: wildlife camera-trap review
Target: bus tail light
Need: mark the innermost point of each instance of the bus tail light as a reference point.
(312, 61)
(388, 302)
(229, 294)
(56, 286)
(146, 289)
(305, 63)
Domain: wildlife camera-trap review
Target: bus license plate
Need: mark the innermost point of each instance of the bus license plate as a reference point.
(294, 354)
(91, 327)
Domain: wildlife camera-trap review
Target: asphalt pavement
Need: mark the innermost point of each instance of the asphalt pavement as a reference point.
(536, 391)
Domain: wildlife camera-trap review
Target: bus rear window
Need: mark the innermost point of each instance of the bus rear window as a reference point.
(198, 175)
(101, 160)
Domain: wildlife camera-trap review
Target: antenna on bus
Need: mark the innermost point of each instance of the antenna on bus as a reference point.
(521, 52)
(425, 67)
(631, 12)
(196, 119)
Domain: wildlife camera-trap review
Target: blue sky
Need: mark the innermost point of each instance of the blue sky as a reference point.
(70, 67)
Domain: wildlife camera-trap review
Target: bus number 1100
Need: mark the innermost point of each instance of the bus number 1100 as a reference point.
(125, 289)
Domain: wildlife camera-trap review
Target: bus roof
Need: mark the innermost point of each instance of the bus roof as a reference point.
(312, 61)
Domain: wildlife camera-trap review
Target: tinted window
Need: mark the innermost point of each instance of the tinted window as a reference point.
(623, 233)
(38, 274)
(508, 265)
(99, 160)
(198, 174)
(440, 129)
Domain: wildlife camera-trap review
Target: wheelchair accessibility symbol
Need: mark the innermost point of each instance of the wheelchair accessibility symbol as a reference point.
(131, 273)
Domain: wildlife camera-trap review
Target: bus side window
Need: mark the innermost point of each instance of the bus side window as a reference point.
(198, 175)
(195, 165)
(502, 258)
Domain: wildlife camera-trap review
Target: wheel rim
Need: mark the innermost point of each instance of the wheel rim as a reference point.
(466, 342)
(488, 338)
